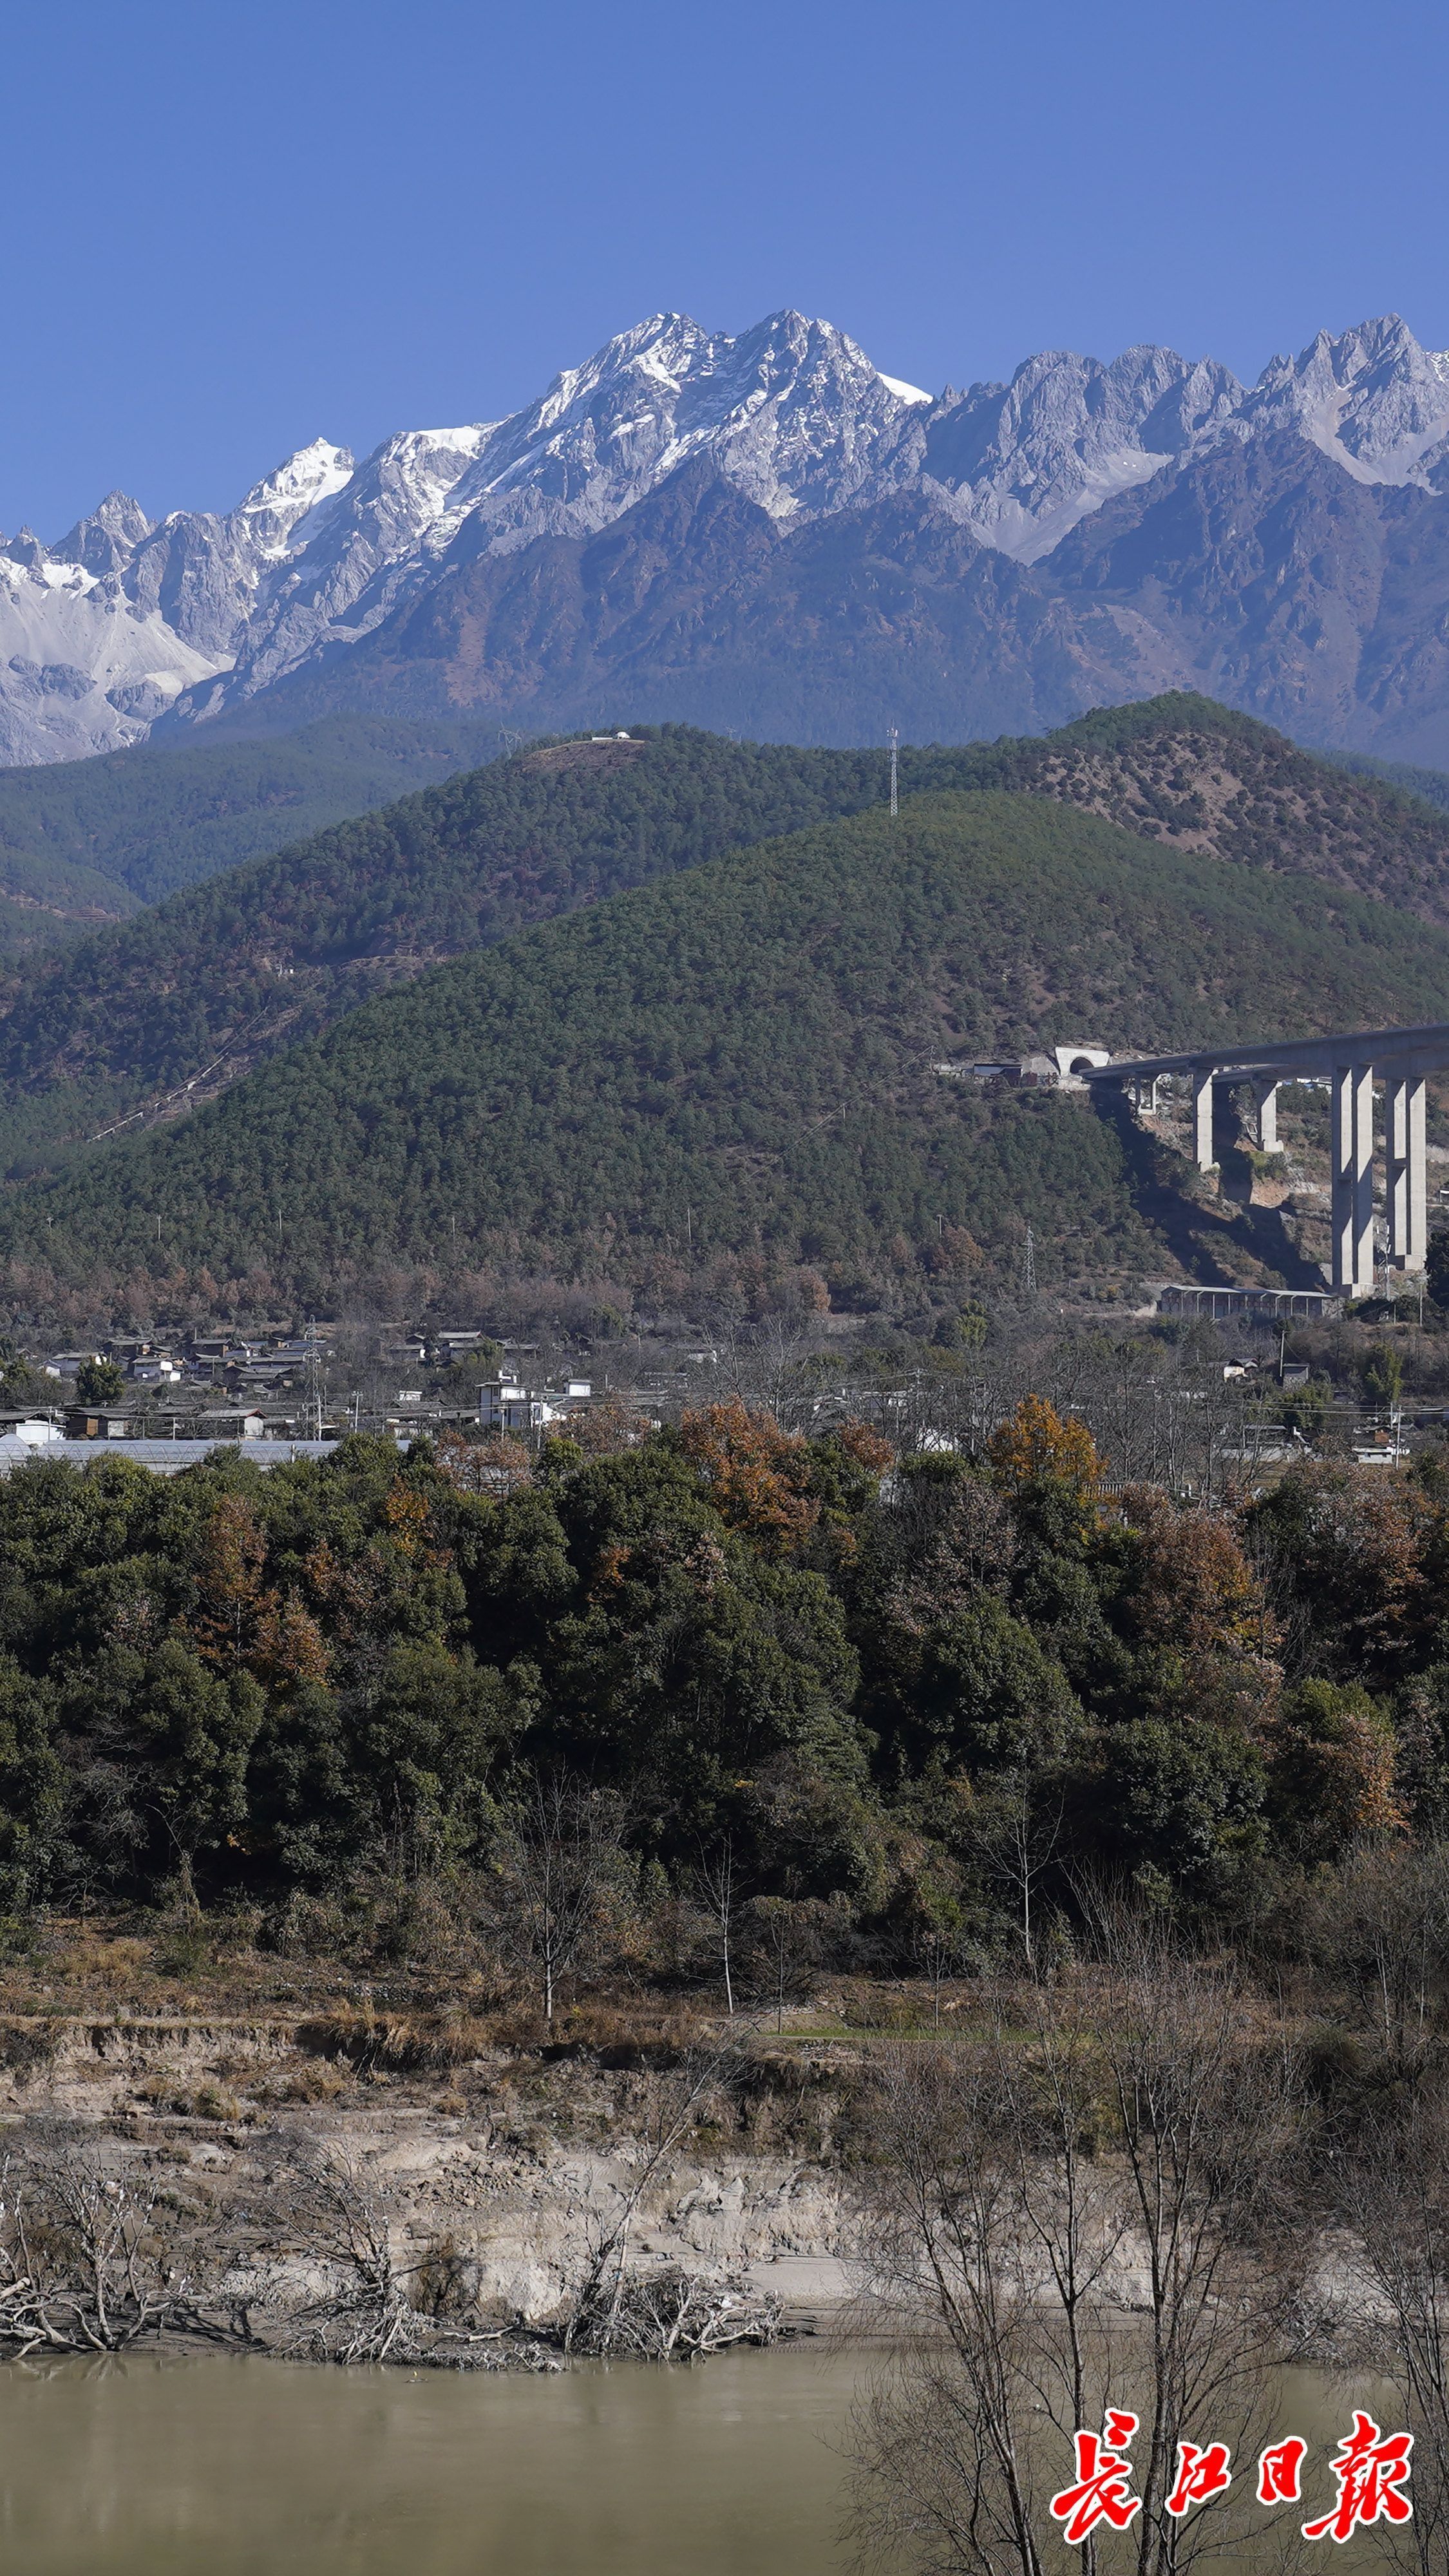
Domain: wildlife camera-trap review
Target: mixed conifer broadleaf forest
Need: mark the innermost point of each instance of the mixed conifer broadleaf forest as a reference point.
(741, 1052)
(874, 1681)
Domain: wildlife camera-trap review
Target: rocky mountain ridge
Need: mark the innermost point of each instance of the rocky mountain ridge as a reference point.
(1080, 472)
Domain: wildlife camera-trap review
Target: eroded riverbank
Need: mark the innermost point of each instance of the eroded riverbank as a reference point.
(497, 2176)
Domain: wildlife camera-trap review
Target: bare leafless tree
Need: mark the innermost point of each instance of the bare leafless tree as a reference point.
(947, 2436)
(1204, 2124)
(1381, 1931)
(715, 1883)
(551, 1870)
(673, 2311)
(672, 2111)
(336, 2205)
(786, 1936)
(337, 2210)
(1395, 2207)
(937, 1950)
(85, 2265)
(1092, 2212)
(1014, 1832)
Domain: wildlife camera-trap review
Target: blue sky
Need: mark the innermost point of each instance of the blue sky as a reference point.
(232, 228)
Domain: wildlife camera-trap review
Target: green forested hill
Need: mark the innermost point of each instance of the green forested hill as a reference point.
(136, 824)
(85, 843)
(47, 911)
(1430, 785)
(739, 1061)
(165, 1010)
(224, 973)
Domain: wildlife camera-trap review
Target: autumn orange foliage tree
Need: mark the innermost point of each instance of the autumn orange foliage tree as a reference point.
(1037, 1443)
(777, 1488)
(229, 1583)
(243, 1623)
(1347, 1560)
(757, 1476)
(498, 1466)
(1190, 1604)
(1191, 1586)
(1332, 1769)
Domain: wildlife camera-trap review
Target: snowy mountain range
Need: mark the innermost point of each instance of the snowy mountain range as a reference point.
(1087, 531)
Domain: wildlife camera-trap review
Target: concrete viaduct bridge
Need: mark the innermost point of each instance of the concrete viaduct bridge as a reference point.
(1350, 1064)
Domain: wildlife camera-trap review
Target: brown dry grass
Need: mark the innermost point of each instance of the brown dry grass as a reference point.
(435, 2042)
(208, 2100)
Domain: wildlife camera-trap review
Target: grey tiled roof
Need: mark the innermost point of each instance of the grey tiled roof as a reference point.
(163, 1457)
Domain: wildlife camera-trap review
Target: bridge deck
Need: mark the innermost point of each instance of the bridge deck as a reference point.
(1422, 1050)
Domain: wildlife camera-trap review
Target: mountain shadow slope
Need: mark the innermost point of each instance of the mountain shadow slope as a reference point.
(142, 822)
(1259, 571)
(698, 606)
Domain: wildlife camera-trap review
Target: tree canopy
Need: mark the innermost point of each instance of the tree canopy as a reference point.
(742, 1637)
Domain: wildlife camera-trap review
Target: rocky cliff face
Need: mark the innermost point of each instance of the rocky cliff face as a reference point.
(765, 530)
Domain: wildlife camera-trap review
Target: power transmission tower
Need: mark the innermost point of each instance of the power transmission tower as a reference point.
(1029, 1281)
(893, 738)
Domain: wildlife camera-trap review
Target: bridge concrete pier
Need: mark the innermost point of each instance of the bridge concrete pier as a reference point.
(1351, 1216)
(1349, 1062)
(1265, 1111)
(1202, 1118)
(1408, 1192)
(1265, 1104)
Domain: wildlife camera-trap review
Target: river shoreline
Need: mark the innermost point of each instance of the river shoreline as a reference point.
(502, 2174)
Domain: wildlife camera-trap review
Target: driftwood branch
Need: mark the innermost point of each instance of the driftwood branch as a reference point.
(84, 2264)
(94, 2261)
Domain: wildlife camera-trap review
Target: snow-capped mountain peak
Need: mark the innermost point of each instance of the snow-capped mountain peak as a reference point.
(1372, 399)
(275, 508)
(792, 410)
(363, 546)
(122, 614)
(665, 349)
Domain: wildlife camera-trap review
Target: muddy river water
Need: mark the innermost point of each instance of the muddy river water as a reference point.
(250, 2468)
(253, 2468)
